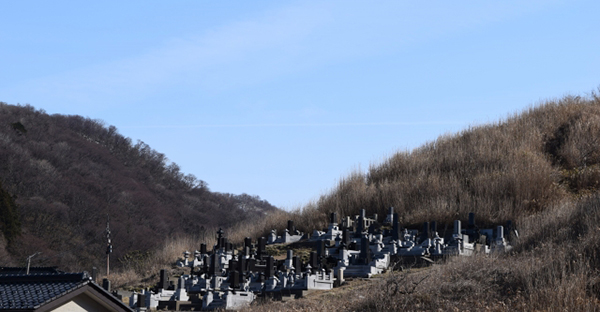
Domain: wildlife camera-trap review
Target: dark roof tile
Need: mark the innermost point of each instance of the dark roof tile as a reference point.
(18, 291)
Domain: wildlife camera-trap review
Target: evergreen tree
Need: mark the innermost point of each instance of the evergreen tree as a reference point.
(9, 217)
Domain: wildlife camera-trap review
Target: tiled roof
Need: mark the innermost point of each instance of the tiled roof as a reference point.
(19, 291)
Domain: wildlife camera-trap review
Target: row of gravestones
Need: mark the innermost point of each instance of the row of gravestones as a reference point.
(227, 278)
(290, 235)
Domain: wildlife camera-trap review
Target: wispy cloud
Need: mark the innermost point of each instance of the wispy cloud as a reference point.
(276, 43)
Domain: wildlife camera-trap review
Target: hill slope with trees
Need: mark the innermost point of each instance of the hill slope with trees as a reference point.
(62, 176)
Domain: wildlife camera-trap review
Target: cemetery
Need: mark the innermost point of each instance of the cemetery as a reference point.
(226, 277)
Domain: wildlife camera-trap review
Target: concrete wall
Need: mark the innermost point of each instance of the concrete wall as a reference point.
(83, 302)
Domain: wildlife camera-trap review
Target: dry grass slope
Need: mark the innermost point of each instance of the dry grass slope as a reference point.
(540, 168)
(503, 171)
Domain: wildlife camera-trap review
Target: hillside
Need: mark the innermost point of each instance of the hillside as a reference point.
(62, 176)
(507, 170)
(539, 168)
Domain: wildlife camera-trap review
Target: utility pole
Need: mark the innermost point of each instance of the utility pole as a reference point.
(108, 246)
(29, 261)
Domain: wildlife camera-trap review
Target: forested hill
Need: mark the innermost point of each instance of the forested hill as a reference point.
(61, 176)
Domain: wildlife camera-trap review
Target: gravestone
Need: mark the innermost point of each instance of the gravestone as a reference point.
(220, 238)
(346, 237)
(297, 263)
(457, 230)
(425, 233)
(242, 266)
(262, 243)
(360, 227)
(270, 267)
(205, 261)
(288, 262)
(395, 227)
(390, 216)
(234, 279)
(313, 261)
(433, 229)
(214, 269)
(364, 249)
(106, 284)
(163, 282)
(232, 265)
(141, 301)
(349, 224)
(252, 265)
(320, 248)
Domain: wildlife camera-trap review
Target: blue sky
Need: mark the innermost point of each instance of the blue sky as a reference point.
(281, 99)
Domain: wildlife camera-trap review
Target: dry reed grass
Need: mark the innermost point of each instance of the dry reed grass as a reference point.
(502, 171)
